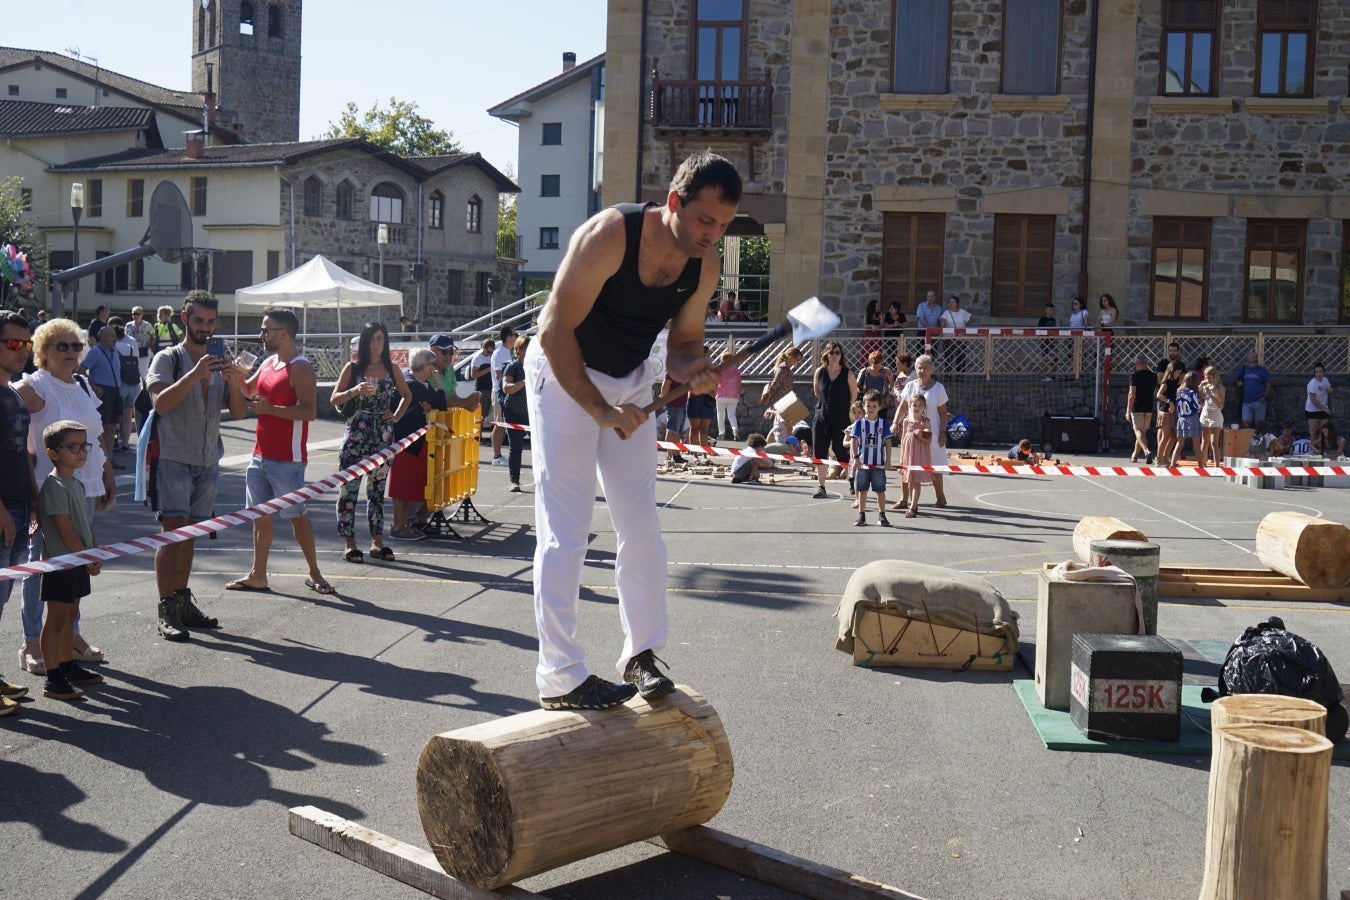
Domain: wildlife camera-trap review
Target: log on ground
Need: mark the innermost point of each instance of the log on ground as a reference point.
(514, 797)
(1313, 551)
(1101, 528)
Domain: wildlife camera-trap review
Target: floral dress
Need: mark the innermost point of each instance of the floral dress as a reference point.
(915, 450)
(367, 433)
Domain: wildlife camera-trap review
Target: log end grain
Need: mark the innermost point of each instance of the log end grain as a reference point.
(467, 818)
(1314, 551)
(1269, 709)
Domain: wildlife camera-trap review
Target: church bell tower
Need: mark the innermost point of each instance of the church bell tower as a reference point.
(247, 52)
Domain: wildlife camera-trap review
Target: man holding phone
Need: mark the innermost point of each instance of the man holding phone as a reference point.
(189, 383)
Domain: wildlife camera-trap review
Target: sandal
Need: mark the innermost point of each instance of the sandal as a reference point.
(382, 553)
(354, 556)
(321, 586)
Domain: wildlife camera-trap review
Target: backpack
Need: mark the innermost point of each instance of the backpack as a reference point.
(151, 432)
(130, 368)
(1267, 659)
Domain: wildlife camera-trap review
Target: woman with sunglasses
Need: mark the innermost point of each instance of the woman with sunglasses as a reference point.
(55, 393)
(836, 389)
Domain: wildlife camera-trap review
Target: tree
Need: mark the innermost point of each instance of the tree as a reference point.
(398, 129)
(506, 220)
(16, 228)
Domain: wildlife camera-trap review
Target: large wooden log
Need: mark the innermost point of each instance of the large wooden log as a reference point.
(1313, 551)
(1268, 797)
(1101, 528)
(514, 797)
(1268, 709)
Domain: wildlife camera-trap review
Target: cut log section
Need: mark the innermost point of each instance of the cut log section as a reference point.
(1313, 551)
(1269, 709)
(1267, 831)
(514, 797)
(1101, 528)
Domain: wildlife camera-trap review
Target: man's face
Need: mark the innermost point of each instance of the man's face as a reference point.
(931, 297)
(444, 358)
(700, 223)
(200, 324)
(510, 340)
(1251, 359)
(272, 334)
(12, 362)
(107, 337)
(1173, 351)
(103, 313)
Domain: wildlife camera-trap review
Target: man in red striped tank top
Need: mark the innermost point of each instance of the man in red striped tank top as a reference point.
(284, 394)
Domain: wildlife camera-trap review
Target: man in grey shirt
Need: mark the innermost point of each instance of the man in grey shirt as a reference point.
(188, 386)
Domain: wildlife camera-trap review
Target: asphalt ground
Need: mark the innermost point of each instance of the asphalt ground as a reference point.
(173, 778)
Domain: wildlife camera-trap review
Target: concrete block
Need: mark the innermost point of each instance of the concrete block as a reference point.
(1065, 608)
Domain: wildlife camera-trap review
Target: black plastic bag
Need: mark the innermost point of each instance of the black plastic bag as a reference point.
(1268, 659)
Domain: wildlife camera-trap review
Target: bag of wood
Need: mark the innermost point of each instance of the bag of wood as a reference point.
(1268, 659)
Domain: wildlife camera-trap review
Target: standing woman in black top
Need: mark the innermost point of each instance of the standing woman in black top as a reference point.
(836, 389)
(514, 409)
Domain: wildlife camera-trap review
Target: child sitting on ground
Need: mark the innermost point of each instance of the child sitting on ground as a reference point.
(63, 514)
(748, 468)
(916, 450)
(870, 448)
(1022, 452)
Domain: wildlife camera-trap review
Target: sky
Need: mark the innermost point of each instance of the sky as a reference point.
(453, 58)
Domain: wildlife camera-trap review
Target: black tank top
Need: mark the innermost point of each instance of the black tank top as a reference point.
(832, 396)
(617, 334)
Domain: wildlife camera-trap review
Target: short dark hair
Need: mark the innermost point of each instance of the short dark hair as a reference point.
(201, 298)
(13, 318)
(872, 396)
(283, 317)
(55, 433)
(706, 169)
(505, 332)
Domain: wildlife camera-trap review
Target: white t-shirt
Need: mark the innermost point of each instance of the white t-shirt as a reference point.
(956, 318)
(1321, 389)
(479, 360)
(501, 358)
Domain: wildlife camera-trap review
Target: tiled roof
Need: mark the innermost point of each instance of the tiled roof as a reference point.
(433, 165)
(153, 94)
(507, 108)
(21, 118)
(220, 155)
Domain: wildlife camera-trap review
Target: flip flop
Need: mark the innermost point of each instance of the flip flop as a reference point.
(320, 586)
(241, 585)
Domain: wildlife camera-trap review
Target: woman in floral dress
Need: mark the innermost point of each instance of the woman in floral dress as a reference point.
(381, 398)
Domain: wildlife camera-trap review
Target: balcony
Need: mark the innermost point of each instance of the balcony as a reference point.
(734, 110)
(398, 234)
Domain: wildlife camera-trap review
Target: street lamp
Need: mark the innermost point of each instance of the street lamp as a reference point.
(76, 211)
(381, 238)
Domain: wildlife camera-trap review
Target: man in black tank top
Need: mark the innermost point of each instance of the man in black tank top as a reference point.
(628, 271)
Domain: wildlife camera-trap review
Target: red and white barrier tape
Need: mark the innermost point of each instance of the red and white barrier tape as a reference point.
(219, 523)
(988, 469)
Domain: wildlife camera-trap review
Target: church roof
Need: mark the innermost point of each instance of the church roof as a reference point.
(23, 118)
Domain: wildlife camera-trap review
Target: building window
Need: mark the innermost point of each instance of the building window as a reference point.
(1345, 273)
(25, 199)
(135, 198)
(549, 185)
(1284, 53)
(473, 216)
(273, 264)
(14, 90)
(920, 46)
(342, 198)
(718, 59)
(199, 196)
(60, 93)
(392, 277)
(313, 196)
(246, 17)
(1190, 46)
(552, 133)
(548, 239)
(93, 198)
(1274, 271)
(1180, 269)
(233, 270)
(1031, 37)
(481, 294)
(911, 257)
(386, 204)
(436, 211)
(274, 21)
(454, 287)
(1024, 265)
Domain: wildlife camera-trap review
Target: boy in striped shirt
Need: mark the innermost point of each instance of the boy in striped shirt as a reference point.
(870, 445)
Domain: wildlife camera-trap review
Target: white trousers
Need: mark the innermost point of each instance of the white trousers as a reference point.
(570, 455)
(726, 412)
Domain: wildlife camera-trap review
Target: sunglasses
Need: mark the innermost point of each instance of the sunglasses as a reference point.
(67, 346)
(76, 448)
(11, 344)
(269, 330)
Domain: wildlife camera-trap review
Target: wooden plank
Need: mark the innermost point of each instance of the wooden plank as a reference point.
(1164, 571)
(389, 856)
(1254, 591)
(793, 873)
(1273, 580)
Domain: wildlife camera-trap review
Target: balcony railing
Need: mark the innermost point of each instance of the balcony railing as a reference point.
(397, 233)
(723, 106)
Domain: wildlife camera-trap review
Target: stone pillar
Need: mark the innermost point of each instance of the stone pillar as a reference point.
(625, 90)
(1113, 117)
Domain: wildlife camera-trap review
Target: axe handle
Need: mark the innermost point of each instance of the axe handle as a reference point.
(736, 359)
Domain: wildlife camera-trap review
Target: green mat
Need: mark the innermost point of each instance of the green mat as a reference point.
(1058, 732)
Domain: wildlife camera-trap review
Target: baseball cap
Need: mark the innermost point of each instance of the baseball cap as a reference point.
(441, 342)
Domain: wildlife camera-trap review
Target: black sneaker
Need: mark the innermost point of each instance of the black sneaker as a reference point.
(58, 688)
(820, 493)
(642, 673)
(188, 613)
(76, 674)
(679, 460)
(861, 520)
(593, 693)
(170, 623)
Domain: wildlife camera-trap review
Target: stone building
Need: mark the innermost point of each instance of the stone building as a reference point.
(1190, 157)
(246, 58)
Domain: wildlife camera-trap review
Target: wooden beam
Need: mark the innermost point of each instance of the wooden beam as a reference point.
(1235, 588)
(402, 862)
(793, 873)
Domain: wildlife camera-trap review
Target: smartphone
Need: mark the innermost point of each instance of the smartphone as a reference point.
(216, 347)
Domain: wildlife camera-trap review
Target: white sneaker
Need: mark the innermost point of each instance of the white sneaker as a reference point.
(500, 461)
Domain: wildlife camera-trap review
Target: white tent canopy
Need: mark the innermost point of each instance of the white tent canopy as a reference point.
(318, 284)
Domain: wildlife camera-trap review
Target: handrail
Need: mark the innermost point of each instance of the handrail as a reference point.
(470, 331)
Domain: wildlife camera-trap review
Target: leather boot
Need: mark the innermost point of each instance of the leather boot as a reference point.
(170, 623)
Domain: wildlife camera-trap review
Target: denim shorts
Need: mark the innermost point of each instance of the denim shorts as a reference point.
(870, 480)
(676, 419)
(186, 491)
(268, 479)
